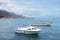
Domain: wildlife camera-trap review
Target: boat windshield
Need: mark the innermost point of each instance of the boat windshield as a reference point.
(31, 28)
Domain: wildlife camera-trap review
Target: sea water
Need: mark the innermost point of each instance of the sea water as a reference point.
(7, 29)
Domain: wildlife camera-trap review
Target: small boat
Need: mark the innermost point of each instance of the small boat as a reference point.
(28, 30)
(41, 24)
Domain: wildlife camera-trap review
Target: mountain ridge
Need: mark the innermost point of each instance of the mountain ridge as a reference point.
(6, 14)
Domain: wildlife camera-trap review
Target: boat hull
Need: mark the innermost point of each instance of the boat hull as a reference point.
(31, 32)
(28, 32)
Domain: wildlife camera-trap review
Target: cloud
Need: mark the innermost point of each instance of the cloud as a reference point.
(11, 7)
(8, 5)
(28, 3)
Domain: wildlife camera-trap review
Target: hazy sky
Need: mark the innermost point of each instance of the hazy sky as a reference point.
(34, 8)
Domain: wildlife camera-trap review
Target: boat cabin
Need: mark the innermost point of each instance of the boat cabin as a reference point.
(31, 28)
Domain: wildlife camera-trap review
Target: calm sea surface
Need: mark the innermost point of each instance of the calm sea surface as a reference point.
(7, 29)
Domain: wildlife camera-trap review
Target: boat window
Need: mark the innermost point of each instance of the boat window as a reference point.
(33, 28)
(29, 29)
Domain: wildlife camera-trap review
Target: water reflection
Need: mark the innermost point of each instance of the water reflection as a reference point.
(26, 37)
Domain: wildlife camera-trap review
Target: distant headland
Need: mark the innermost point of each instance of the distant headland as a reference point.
(6, 14)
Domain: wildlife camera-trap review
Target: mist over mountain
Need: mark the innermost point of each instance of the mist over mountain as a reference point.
(6, 14)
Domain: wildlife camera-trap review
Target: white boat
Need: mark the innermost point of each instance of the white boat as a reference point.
(41, 24)
(28, 30)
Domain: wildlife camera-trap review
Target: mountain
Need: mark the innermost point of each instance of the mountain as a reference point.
(6, 14)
